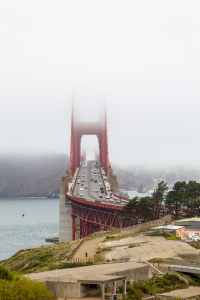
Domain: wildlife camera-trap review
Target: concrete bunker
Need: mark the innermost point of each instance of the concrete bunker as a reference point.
(91, 280)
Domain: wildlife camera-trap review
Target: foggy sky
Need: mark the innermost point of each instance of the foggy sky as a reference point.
(142, 57)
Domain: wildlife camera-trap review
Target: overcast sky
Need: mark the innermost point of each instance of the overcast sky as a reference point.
(144, 56)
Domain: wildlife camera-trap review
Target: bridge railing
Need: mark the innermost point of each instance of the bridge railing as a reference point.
(135, 228)
(93, 203)
(123, 198)
(181, 264)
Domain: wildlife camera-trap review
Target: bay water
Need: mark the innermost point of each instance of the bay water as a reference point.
(40, 220)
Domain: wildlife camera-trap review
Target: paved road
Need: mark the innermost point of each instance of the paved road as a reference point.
(89, 188)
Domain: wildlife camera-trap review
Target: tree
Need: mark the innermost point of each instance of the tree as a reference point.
(191, 197)
(131, 210)
(158, 198)
(145, 208)
(174, 198)
(137, 209)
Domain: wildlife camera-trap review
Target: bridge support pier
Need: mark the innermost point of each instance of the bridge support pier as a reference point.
(65, 211)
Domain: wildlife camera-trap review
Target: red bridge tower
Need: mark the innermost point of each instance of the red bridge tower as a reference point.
(78, 129)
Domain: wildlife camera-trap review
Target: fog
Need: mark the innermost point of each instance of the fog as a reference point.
(141, 58)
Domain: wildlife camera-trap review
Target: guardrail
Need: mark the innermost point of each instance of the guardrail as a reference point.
(100, 234)
(93, 203)
(181, 264)
(123, 198)
(136, 228)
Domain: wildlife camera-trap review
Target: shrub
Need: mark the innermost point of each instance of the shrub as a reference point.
(5, 274)
(173, 237)
(107, 260)
(14, 286)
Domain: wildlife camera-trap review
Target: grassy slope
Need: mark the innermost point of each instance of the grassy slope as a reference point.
(40, 259)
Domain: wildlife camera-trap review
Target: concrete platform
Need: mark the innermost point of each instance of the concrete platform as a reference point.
(188, 293)
(91, 280)
(150, 248)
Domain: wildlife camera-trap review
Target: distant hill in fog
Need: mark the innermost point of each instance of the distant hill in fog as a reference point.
(31, 175)
(40, 175)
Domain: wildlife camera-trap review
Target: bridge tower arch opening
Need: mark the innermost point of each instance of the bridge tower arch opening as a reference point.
(78, 130)
(89, 147)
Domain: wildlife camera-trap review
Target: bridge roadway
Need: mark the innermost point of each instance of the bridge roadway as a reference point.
(84, 185)
(87, 214)
(88, 189)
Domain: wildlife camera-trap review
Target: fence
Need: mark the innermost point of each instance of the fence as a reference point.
(80, 260)
(100, 234)
(181, 264)
(139, 227)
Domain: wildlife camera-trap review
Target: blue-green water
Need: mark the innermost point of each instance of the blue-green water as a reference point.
(41, 220)
(134, 193)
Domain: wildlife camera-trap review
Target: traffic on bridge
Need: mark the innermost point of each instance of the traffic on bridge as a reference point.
(91, 183)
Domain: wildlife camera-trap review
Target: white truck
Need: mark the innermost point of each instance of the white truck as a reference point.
(194, 237)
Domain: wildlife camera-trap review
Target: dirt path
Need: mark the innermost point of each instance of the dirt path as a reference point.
(89, 247)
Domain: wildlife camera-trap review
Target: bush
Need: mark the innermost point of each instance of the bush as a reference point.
(14, 286)
(5, 274)
(107, 260)
(173, 237)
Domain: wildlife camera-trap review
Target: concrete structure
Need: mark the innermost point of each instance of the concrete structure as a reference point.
(92, 280)
(179, 231)
(65, 210)
(150, 247)
(114, 184)
(191, 225)
(190, 292)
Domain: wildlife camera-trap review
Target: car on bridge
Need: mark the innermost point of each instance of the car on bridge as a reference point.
(100, 183)
(96, 191)
(92, 179)
(97, 200)
(86, 187)
(112, 200)
(118, 201)
(100, 196)
(95, 181)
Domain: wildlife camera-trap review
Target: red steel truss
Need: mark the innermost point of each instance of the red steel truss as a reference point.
(94, 216)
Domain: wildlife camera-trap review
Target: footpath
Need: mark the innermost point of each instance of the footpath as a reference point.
(89, 247)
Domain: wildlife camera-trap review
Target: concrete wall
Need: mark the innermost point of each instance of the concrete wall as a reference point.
(87, 290)
(136, 274)
(65, 211)
(112, 178)
(64, 289)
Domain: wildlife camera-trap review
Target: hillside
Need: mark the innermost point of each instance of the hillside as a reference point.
(31, 175)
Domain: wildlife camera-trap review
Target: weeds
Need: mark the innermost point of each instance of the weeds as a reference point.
(157, 284)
